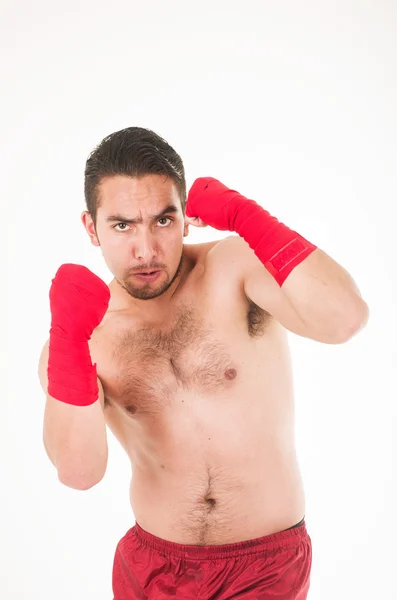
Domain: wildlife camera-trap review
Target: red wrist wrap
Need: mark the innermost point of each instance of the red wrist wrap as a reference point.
(79, 300)
(72, 378)
(279, 248)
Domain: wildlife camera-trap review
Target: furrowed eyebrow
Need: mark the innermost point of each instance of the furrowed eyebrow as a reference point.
(121, 219)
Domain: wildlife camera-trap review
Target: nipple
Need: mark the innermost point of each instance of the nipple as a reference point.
(230, 373)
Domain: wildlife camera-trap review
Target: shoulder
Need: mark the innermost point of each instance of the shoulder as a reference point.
(209, 255)
(226, 265)
(199, 252)
(217, 263)
(232, 253)
(215, 247)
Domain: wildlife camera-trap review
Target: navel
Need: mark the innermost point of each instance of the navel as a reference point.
(211, 502)
(230, 373)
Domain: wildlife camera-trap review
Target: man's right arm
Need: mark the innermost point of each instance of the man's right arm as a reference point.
(74, 436)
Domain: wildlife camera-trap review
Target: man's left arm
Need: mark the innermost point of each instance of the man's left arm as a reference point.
(318, 300)
(282, 272)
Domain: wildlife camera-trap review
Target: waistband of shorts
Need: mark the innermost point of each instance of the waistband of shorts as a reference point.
(276, 541)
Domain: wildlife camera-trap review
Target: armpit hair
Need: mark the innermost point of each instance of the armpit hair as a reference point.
(258, 319)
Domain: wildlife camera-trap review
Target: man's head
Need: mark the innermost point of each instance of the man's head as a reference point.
(135, 192)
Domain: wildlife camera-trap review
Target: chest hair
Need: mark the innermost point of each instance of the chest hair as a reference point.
(153, 363)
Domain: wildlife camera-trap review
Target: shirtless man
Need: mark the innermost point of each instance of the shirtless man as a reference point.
(189, 367)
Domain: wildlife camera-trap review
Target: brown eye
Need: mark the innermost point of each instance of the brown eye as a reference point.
(117, 224)
(165, 219)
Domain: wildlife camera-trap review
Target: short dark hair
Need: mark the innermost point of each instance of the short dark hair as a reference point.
(134, 152)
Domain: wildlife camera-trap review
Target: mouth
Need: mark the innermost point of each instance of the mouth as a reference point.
(148, 275)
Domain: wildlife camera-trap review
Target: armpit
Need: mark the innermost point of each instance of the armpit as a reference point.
(258, 319)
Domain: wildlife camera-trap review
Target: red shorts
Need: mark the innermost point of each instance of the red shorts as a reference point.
(273, 566)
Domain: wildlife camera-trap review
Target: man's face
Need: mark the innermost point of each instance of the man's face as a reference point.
(140, 228)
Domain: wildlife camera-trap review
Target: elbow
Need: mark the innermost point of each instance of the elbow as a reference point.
(80, 482)
(82, 479)
(356, 323)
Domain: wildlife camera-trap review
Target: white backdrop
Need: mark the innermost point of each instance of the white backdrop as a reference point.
(293, 104)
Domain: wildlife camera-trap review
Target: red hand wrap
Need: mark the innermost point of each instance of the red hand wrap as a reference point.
(79, 300)
(279, 248)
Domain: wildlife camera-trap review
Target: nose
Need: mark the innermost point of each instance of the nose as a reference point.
(144, 247)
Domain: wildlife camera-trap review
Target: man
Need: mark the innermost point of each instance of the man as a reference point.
(184, 356)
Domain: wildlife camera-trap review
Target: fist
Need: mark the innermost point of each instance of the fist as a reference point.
(212, 203)
(78, 300)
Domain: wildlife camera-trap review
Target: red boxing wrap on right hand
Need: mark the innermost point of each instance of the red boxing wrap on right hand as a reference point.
(79, 300)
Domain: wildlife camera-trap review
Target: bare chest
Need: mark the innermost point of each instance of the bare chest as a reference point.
(143, 367)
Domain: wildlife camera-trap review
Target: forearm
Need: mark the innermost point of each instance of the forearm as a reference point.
(325, 296)
(76, 442)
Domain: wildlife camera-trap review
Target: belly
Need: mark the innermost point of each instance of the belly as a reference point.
(219, 482)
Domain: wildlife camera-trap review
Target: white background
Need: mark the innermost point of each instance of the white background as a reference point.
(293, 104)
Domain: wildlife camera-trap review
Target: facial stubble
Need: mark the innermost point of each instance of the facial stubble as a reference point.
(146, 292)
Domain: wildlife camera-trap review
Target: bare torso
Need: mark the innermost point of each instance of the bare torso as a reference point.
(201, 399)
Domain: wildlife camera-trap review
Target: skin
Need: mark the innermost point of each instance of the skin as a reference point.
(197, 381)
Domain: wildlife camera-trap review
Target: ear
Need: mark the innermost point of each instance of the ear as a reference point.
(186, 229)
(89, 226)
